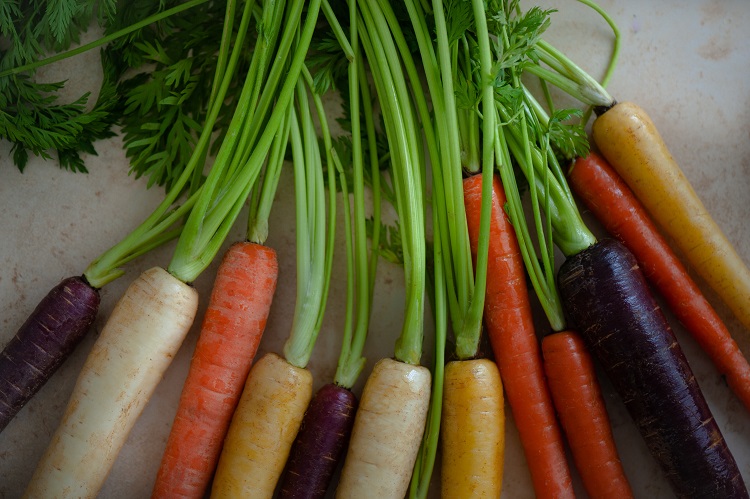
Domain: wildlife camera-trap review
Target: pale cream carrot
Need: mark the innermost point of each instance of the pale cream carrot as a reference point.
(126, 363)
(387, 431)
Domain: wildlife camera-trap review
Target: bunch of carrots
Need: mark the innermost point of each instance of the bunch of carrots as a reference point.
(503, 176)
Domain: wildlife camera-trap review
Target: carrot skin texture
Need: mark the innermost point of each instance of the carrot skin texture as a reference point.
(472, 430)
(387, 432)
(629, 140)
(510, 328)
(127, 361)
(320, 443)
(263, 429)
(232, 328)
(43, 342)
(609, 302)
(583, 415)
(609, 198)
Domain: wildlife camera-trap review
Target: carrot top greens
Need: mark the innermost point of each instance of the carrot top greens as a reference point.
(165, 222)
(407, 170)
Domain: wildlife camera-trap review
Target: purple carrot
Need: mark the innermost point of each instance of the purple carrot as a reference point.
(44, 341)
(608, 300)
(321, 439)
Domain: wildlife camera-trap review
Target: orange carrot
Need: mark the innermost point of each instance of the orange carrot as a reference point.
(609, 198)
(508, 319)
(583, 415)
(231, 331)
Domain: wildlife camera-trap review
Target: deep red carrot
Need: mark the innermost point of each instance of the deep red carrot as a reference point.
(508, 319)
(44, 341)
(232, 328)
(609, 198)
(583, 415)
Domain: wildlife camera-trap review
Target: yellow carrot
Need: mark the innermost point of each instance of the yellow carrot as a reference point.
(263, 428)
(387, 431)
(629, 140)
(472, 430)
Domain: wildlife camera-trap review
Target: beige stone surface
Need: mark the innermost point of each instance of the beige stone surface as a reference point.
(686, 63)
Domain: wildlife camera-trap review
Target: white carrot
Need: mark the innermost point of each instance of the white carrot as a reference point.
(263, 428)
(391, 418)
(387, 431)
(148, 323)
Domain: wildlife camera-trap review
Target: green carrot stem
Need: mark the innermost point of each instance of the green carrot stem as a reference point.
(402, 135)
(106, 267)
(351, 361)
(310, 233)
(424, 466)
(199, 242)
(260, 209)
(466, 346)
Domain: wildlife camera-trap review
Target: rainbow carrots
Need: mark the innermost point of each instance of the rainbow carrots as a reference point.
(136, 346)
(510, 327)
(617, 208)
(278, 390)
(472, 429)
(583, 415)
(232, 328)
(629, 140)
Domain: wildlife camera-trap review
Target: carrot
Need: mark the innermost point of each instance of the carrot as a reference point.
(616, 207)
(608, 298)
(148, 323)
(393, 402)
(232, 328)
(43, 342)
(392, 413)
(267, 418)
(509, 323)
(473, 430)
(629, 140)
(583, 415)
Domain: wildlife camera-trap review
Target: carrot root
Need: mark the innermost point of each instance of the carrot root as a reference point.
(127, 361)
(387, 432)
(583, 415)
(609, 198)
(43, 342)
(609, 302)
(320, 443)
(472, 430)
(629, 140)
(263, 428)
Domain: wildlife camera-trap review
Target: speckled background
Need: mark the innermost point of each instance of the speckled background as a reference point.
(686, 62)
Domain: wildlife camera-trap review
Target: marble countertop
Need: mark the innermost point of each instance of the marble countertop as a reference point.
(686, 63)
